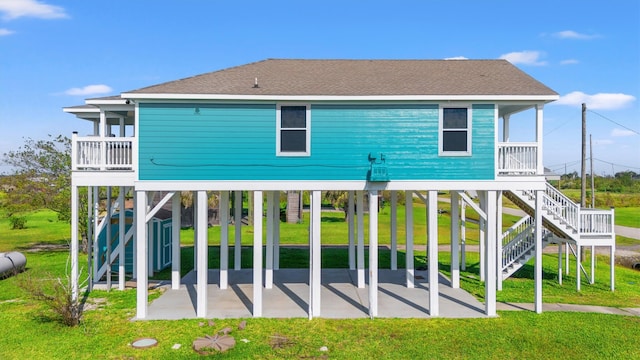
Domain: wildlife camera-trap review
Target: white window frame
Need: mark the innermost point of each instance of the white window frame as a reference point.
(441, 130)
(307, 129)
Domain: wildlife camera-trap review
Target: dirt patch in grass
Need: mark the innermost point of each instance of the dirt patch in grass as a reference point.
(46, 247)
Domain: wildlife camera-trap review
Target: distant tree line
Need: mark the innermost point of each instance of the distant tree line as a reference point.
(621, 182)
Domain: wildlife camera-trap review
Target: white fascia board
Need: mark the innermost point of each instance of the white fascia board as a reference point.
(103, 178)
(84, 110)
(519, 183)
(494, 98)
(106, 101)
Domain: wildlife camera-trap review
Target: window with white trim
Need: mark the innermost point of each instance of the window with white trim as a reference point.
(455, 131)
(293, 130)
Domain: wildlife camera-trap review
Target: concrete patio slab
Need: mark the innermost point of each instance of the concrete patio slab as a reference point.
(340, 297)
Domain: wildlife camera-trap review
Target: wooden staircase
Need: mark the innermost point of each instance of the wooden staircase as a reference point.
(563, 221)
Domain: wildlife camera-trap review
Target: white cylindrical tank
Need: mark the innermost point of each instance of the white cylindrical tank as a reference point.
(11, 263)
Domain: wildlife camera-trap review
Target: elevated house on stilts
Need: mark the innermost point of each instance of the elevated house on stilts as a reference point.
(362, 126)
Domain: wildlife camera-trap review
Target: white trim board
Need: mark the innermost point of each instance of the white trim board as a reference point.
(163, 96)
(529, 183)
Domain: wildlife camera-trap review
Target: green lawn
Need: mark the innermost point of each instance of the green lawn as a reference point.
(108, 331)
(30, 332)
(628, 216)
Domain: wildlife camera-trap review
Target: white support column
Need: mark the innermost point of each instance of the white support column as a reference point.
(257, 254)
(93, 250)
(142, 281)
(373, 253)
(103, 133)
(268, 273)
(175, 240)
(276, 230)
(578, 262)
(108, 235)
(455, 240)
(432, 252)
(202, 262)
(151, 234)
(560, 263)
(194, 221)
(135, 234)
(592, 280)
(566, 258)
(463, 236)
(74, 243)
(238, 230)
(224, 239)
(315, 283)
(482, 237)
(505, 128)
(90, 227)
(499, 240)
(121, 125)
(612, 263)
(360, 254)
(490, 249)
(351, 218)
(394, 230)
(539, 122)
(408, 204)
(122, 221)
(538, 252)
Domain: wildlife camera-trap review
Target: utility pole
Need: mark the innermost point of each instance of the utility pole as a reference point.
(583, 176)
(593, 189)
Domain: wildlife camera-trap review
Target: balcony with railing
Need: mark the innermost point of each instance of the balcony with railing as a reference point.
(95, 153)
(518, 158)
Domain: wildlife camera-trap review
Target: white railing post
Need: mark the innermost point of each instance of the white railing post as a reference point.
(103, 154)
(74, 151)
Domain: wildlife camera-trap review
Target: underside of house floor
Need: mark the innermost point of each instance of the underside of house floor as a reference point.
(340, 297)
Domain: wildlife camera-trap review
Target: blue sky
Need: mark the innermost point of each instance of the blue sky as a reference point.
(56, 53)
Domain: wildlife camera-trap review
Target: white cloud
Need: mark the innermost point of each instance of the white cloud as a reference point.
(606, 101)
(5, 32)
(89, 90)
(527, 57)
(621, 132)
(570, 34)
(569, 62)
(13, 9)
(456, 58)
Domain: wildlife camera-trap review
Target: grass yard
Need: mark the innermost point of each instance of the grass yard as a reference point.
(628, 216)
(107, 332)
(31, 332)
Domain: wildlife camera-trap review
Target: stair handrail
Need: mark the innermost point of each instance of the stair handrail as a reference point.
(520, 244)
(562, 206)
(516, 228)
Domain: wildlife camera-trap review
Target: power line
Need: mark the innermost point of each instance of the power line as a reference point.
(618, 165)
(606, 118)
(561, 166)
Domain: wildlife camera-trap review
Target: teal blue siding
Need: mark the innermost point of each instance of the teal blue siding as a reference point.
(238, 142)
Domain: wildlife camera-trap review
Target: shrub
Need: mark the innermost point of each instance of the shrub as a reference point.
(18, 222)
(56, 294)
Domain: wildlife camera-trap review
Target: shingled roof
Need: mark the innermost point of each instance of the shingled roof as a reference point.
(282, 77)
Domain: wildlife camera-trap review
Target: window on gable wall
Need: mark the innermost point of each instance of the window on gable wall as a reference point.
(293, 130)
(455, 131)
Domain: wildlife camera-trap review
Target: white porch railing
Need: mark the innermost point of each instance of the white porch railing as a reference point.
(101, 153)
(518, 158)
(596, 222)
